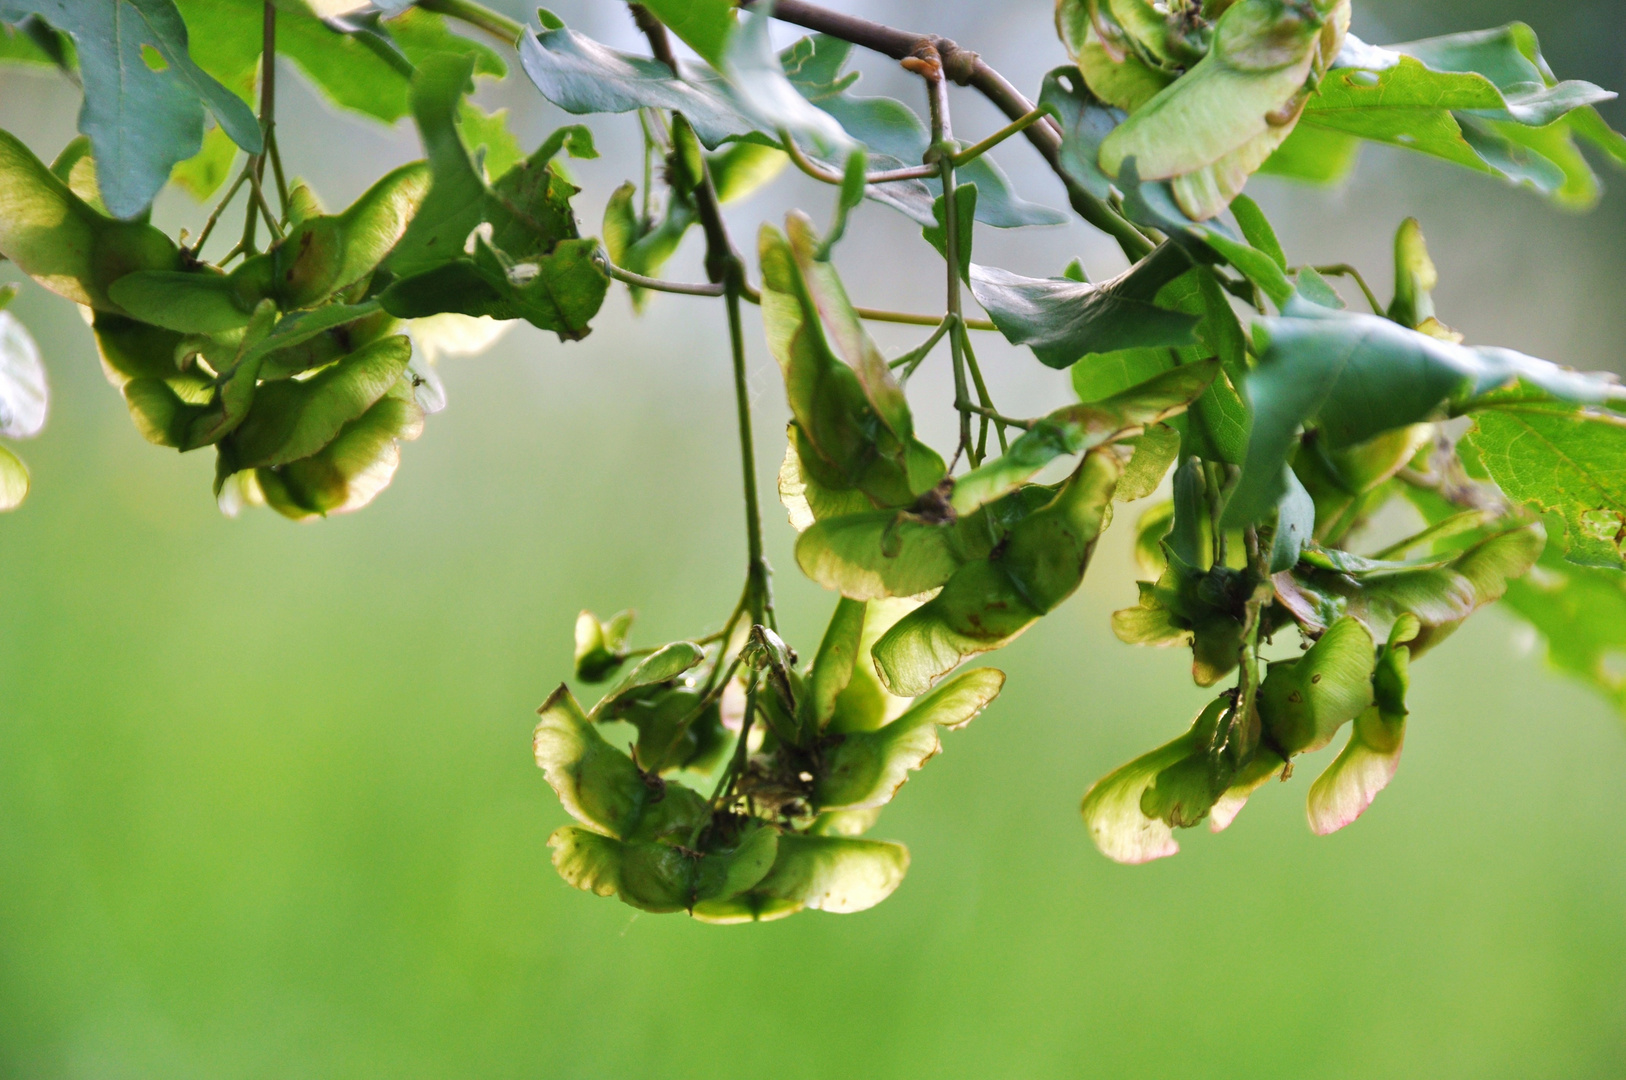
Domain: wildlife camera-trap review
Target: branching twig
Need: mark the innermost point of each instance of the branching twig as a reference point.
(826, 176)
(966, 68)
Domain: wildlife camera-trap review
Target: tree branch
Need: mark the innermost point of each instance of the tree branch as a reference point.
(966, 68)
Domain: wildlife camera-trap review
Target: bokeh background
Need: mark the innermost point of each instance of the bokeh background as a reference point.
(267, 806)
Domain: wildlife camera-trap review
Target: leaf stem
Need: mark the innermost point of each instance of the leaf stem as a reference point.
(682, 288)
(1015, 127)
(276, 170)
(908, 319)
(1346, 270)
(823, 175)
(478, 15)
(982, 396)
(758, 574)
(753, 296)
(735, 764)
(929, 66)
(725, 268)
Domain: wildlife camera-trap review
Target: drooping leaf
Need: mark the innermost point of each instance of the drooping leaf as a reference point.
(1085, 124)
(880, 553)
(662, 877)
(1440, 597)
(142, 115)
(530, 265)
(1063, 320)
(1357, 375)
(582, 76)
(805, 499)
(349, 472)
(1257, 230)
(1156, 450)
(295, 418)
(1570, 461)
(1484, 99)
(1408, 105)
(1112, 807)
(865, 704)
(833, 665)
(756, 78)
(866, 768)
(1295, 525)
(600, 786)
(320, 256)
(1152, 202)
(852, 428)
(660, 666)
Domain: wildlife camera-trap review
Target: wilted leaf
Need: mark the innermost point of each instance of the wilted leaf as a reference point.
(852, 427)
(1063, 320)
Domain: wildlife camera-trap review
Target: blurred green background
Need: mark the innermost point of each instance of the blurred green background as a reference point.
(267, 807)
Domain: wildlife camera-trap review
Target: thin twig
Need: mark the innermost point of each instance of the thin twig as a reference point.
(220, 208)
(656, 284)
(827, 176)
(1346, 270)
(912, 359)
(998, 418)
